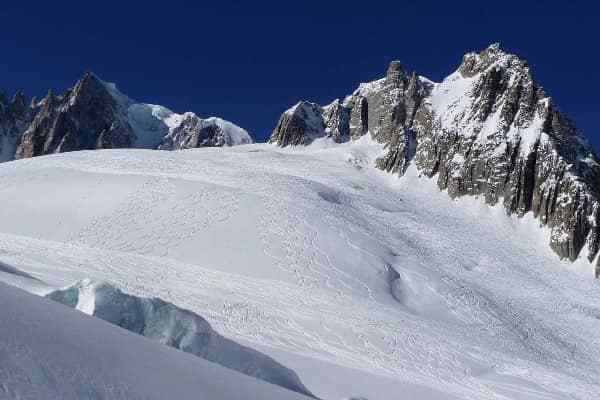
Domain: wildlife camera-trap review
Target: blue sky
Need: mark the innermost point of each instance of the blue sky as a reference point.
(249, 61)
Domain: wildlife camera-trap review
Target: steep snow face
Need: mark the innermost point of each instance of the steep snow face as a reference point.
(167, 324)
(156, 126)
(49, 351)
(315, 257)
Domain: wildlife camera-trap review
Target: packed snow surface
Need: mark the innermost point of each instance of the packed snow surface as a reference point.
(48, 351)
(363, 283)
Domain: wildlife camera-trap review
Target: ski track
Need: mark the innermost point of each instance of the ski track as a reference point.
(509, 307)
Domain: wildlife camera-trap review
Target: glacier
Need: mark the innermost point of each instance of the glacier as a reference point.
(363, 283)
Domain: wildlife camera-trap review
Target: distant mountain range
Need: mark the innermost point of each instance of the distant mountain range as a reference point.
(95, 115)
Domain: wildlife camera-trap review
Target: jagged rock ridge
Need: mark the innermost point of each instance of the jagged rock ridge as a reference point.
(15, 115)
(487, 130)
(95, 115)
(86, 117)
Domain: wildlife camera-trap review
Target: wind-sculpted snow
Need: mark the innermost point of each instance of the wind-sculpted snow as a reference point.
(170, 325)
(317, 258)
(48, 351)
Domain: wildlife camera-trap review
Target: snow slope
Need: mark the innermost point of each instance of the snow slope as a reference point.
(339, 271)
(49, 351)
(167, 324)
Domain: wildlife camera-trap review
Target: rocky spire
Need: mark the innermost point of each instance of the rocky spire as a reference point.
(395, 73)
(89, 84)
(18, 105)
(93, 114)
(86, 117)
(50, 100)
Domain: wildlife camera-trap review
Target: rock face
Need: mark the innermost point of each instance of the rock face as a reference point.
(87, 117)
(170, 325)
(95, 115)
(195, 132)
(487, 130)
(300, 124)
(15, 116)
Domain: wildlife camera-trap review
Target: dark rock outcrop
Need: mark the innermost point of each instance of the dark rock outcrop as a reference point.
(87, 117)
(15, 116)
(194, 132)
(506, 141)
(300, 124)
(487, 130)
(386, 108)
(336, 118)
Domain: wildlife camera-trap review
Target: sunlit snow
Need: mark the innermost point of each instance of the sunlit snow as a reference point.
(363, 283)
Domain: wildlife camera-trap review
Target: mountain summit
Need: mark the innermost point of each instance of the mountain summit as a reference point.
(487, 130)
(95, 115)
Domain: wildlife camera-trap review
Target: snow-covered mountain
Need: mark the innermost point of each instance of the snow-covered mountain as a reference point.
(156, 126)
(487, 130)
(95, 115)
(366, 284)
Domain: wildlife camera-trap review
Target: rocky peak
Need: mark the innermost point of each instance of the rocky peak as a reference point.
(194, 132)
(474, 63)
(50, 101)
(18, 104)
(14, 109)
(91, 92)
(502, 138)
(87, 117)
(94, 114)
(14, 118)
(299, 125)
(383, 108)
(88, 85)
(395, 75)
(488, 130)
